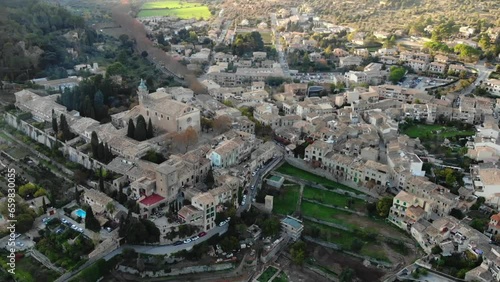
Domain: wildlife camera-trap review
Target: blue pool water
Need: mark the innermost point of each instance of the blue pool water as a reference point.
(81, 213)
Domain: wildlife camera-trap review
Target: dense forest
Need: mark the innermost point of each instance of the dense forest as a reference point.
(34, 39)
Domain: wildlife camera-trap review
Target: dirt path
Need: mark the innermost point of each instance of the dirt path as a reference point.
(299, 202)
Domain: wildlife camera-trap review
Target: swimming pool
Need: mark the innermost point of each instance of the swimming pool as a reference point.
(80, 213)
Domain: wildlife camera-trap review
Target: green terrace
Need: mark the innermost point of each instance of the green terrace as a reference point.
(288, 169)
(332, 198)
(286, 202)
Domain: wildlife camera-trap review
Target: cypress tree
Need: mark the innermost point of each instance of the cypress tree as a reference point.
(77, 195)
(107, 154)
(149, 133)
(140, 133)
(100, 152)
(94, 143)
(65, 128)
(101, 180)
(54, 124)
(44, 205)
(90, 221)
(131, 129)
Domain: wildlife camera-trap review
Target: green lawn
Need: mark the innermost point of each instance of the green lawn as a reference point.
(324, 213)
(422, 130)
(331, 198)
(17, 153)
(331, 234)
(168, 4)
(375, 251)
(287, 202)
(266, 37)
(345, 239)
(266, 275)
(288, 169)
(199, 12)
(281, 277)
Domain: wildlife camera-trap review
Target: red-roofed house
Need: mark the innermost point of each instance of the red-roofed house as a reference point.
(149, 204)
(494, 225)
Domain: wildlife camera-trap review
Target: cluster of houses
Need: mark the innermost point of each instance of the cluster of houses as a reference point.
(154, 186)
(255, 69)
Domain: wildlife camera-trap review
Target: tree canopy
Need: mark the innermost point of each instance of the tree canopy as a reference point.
(247, 43)
(383, 206)
(396, 74)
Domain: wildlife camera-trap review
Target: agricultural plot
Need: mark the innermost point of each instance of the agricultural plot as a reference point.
(183, 10)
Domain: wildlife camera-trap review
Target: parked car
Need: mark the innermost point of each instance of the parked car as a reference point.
(178, 243)
(187, 241)
(202, 234)
(64, 220)
(79, 229)
(195, 238)
(222, 223)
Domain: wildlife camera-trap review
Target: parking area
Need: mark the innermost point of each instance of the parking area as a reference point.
(22, 242)
(422, 82)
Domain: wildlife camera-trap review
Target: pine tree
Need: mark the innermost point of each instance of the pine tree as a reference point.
(149, 133)
(94, 143)
(140, 133)
(131, 129)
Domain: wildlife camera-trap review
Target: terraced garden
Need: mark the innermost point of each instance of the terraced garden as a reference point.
(342, 219)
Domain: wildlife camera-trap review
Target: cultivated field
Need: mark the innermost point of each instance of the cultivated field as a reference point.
(183, 10)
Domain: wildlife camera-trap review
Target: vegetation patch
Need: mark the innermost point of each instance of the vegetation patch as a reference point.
(281, 277)
(457, 264)
(288, 169)
(427, 130)
(357, 241)
(286, 202)
(65, 249)
(28, 269)
(267, 274)
(183, 10)
(324, 213)
(332, 198)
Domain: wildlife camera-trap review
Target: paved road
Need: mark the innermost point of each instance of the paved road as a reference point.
(168, 249)
(482, 74)
(279, 48)
(256, 181)
(151, 250)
